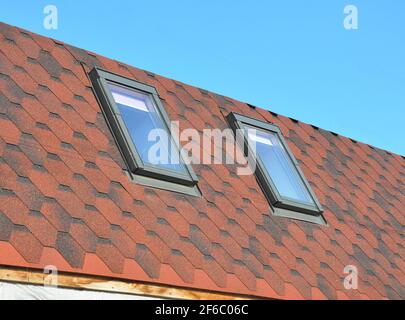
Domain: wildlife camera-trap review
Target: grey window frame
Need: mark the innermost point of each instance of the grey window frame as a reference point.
(141, 172)
(282, 207)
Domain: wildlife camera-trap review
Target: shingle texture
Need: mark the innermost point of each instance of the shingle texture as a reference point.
(65, 199)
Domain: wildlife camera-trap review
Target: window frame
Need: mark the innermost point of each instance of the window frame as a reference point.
(282, 206)
(140, 171)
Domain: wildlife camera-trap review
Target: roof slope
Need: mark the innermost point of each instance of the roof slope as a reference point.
(65, 200)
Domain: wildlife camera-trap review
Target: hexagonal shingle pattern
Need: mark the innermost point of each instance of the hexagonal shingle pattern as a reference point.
(65, 200)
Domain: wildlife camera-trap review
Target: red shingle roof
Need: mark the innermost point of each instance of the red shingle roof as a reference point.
(65, 200)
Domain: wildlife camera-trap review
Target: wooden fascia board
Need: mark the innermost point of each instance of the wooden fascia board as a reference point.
(82, 282)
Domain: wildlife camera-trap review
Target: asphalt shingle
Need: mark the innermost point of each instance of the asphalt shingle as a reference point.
(62, 185)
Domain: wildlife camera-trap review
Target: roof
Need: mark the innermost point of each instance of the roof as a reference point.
(65, 199)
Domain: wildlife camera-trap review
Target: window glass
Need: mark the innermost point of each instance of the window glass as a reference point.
(141, 116)
(279, 165)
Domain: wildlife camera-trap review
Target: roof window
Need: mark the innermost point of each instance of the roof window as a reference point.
(139, 122)
(277, 170)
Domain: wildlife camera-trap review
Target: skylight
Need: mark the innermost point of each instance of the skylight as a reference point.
(141, 116)
(279, 166)
(139, 122)
(277, 171)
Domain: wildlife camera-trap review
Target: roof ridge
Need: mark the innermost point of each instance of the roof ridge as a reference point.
(209, 91)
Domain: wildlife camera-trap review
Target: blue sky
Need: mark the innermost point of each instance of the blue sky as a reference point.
(292, 57)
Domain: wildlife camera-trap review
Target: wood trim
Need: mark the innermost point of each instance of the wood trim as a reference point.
(74, 281)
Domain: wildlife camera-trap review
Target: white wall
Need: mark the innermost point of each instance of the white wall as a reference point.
(15, 291)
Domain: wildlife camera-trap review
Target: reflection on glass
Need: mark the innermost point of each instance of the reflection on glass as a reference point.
(141, 116)
(279, 165)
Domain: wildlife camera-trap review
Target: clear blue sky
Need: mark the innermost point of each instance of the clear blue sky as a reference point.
(292, 57)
